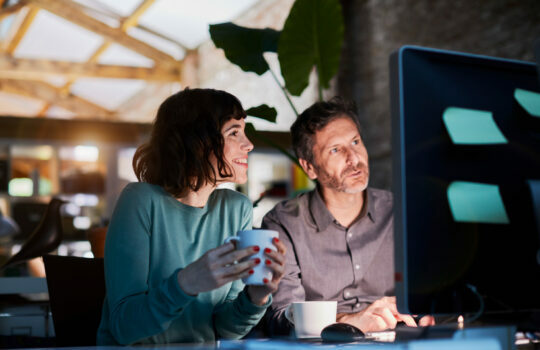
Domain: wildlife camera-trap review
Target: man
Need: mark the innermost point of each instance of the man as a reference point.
(339, 237)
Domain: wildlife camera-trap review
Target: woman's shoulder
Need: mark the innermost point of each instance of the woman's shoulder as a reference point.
(141, 187)
(232, 196)
(142, 190)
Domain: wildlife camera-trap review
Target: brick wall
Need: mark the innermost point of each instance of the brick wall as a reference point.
(376, 28)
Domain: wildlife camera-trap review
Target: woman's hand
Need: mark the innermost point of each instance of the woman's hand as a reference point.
(216, 268)
(276, 262)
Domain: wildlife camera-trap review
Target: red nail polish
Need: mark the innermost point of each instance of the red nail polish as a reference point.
(268, 262)
(276, 239)
(257, 261)
(267, 250)
(256, 248)
(265, 280)
(251, 272)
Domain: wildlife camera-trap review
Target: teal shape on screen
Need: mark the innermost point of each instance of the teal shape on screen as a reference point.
(529, 100)
(472, 127)
(476, 202)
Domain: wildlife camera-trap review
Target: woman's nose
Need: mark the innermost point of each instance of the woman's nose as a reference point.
(248, 145)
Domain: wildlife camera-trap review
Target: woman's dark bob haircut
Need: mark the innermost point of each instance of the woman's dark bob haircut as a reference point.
(186, 136)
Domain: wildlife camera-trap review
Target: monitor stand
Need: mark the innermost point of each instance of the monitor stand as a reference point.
(537, 56)
(534, 185)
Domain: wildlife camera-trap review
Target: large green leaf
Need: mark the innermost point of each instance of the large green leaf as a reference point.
(263, 112)
(245, 46)
(312, 36)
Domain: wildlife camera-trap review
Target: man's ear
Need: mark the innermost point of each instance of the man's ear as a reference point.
(308, 168)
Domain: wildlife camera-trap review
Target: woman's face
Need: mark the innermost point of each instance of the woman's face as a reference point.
(235, 150)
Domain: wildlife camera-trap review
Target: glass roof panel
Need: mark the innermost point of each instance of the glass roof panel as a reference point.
(109, 93)
(187, 20)
(167, 46)
(122, 7)
(18, 105)
(41, 40)
(119, 55)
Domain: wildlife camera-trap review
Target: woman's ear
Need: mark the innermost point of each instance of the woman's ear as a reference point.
(308, 168)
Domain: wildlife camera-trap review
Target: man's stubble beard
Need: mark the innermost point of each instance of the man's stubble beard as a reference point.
(333, 182)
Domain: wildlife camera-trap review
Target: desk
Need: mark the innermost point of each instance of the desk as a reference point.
(481, 338)
(23, 285)
(267, 344)
(25, 318)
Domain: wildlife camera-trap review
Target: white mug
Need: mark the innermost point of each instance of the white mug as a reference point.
(310, 317)
(263, 239)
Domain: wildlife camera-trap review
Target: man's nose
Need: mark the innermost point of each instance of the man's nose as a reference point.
(352, 156)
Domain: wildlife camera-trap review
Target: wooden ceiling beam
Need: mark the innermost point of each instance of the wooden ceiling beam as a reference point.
(28, 69)
(22, 29)
(76, 131)
(51, 94)
(8, 11)
(162, 36)
(133, 19)
(128, 22)
(13, 28)
(72, 12)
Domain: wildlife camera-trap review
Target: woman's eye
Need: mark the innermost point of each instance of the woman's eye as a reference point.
(234, 133)
(355, 142)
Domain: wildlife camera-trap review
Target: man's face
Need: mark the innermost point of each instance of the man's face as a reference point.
(340, 159)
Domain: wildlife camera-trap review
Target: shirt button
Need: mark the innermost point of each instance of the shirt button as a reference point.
(357, 305)
(349, 235)
(357, 267)
(347, 294)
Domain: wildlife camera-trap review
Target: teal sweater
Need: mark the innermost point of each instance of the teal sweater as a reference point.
(151, 236)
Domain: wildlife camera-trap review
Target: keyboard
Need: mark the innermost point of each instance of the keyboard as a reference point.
(381, 336)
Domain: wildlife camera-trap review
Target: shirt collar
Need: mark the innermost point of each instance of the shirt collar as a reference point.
(370, 201)
(322, 217)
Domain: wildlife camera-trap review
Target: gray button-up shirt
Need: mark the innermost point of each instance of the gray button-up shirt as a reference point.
(326, 261)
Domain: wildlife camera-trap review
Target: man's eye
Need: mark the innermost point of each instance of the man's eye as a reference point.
(334, 150)
(356, 142)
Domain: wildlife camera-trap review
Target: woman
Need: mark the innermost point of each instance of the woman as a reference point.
(169, 278)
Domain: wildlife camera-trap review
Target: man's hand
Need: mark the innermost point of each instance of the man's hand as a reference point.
(380, 315)
(426, 321)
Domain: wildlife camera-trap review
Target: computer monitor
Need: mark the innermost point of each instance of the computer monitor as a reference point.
(466, 179)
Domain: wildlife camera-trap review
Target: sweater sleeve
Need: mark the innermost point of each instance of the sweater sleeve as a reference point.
(137, 310)
(238, 315)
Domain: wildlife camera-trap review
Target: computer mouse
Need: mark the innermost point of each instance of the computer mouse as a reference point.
(341, 332)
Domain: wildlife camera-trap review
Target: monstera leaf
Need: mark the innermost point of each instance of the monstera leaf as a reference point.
(245, 46)
(263, 112)
(312, 36)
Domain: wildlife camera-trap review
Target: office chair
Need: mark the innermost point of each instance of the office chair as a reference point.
(76, 293)
(45, 238)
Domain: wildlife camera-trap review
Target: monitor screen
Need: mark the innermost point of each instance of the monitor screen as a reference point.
(466, 180)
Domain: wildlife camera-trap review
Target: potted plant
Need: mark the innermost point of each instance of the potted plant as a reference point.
(311, 38)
